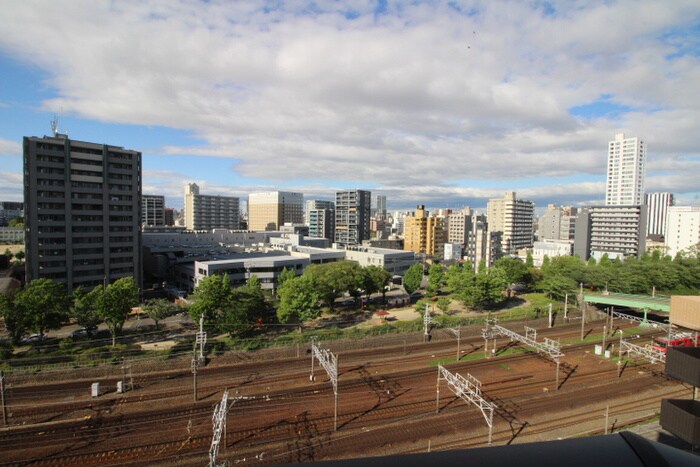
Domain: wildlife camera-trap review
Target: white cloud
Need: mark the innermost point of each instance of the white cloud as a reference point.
(10, 148)
(420, 97)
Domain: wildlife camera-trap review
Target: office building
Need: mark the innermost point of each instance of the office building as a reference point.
(626, 167)
(352, 213)
(514, 218)
(152, 210)
(206, 212)
(82, 211)
(271, 210)
(682, 229)
(424, 233)
(615, 231)
(657, 213)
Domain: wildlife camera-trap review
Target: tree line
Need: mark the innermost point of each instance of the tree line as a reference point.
(43, 304)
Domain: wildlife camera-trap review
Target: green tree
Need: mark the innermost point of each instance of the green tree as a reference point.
(44, 304)
(376, 279)
(16, 222)
(246, 303)
(285, 275)
(19, 256)
(114, 302)
(436, 278)
(556, 286)
(9, 254)
(412, 278)
(299, 300)
(13, 317)
(83, 310)
(514, 271)
(334, 279)
(158, 309)
(529, 261)
(443, 303)
(210, 299)
(480, 290)
(486, 290)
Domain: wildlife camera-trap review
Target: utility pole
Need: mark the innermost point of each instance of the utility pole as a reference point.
(2, 392)
(549, 324)
(566, 307)
(607, 415)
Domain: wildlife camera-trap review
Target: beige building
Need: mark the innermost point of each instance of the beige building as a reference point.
(514, 218)
(424, 233)
(271, 210)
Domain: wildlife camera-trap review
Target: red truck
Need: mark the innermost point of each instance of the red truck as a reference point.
(680, 339)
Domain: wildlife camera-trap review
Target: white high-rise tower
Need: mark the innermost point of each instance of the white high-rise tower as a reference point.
(626, 167)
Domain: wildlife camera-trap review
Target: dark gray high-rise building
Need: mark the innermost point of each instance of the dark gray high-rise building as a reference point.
(82, 211)
(352, 213)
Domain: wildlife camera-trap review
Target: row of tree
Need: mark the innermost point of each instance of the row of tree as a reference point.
(43, 305)
(301, 297)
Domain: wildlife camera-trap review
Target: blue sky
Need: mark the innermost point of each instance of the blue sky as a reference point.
(438, 103)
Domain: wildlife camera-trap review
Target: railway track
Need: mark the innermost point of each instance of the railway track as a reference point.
(390, 393)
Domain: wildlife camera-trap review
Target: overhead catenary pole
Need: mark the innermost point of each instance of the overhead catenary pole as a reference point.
(619, 358)
(194, 377)
(426, 324)
(605, 333)
(469, 389)
(328, 362)
(566, 307)
(549, 324)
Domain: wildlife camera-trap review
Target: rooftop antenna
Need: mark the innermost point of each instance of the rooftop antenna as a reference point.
(54, 125)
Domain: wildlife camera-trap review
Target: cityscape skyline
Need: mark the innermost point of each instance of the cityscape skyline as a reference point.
(426, 104)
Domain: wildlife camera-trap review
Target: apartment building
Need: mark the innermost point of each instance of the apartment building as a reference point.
(206, 212)
(82, 211)
(152, 210)
(352, 214)
(626, 171)
(424, 233)
(617, 231)
(658, 205)
(682, 229)
(514, 219)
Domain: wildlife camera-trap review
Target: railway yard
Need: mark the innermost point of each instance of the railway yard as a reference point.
(387, 393)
